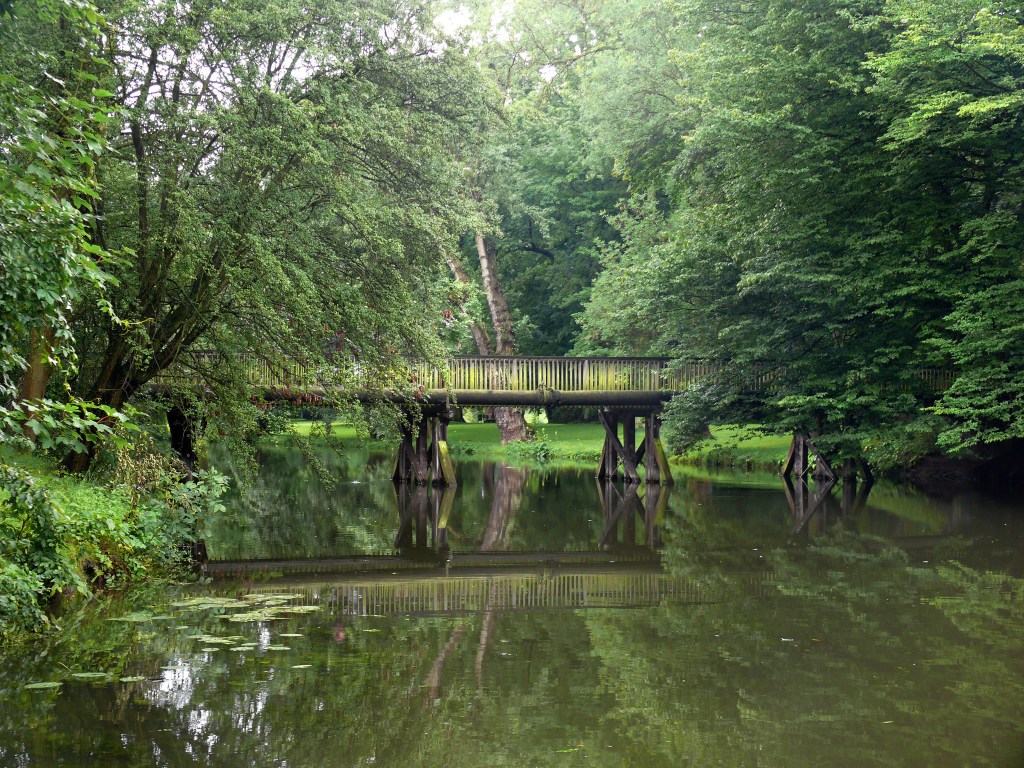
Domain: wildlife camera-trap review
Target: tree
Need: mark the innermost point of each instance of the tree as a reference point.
(832, 204)
(282, 176)
(52, 126)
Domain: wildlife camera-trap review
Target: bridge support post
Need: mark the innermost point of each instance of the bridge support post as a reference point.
(609, 468)
(796, 459)
(440, 459)
(183, 436)
(650, 453)
(423, 455)
(655, 459)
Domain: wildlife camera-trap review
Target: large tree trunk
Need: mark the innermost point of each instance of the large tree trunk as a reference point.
(112, 387)
(511, 421)
(480, 338)
(501, 318)
(37, 375)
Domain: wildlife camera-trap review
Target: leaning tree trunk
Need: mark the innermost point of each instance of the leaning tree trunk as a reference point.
(511, 421)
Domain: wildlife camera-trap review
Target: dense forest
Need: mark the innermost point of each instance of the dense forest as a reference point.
(827, 190)
(830, 193)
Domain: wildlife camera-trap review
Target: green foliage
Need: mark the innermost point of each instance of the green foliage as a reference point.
(66, 536)
(34, 556)
(825, 192)
(65, 426)
(536, 451)
(299, 208)
(52, 124)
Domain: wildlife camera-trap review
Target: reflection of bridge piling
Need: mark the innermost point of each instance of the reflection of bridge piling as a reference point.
(423, 519)
(621, 511)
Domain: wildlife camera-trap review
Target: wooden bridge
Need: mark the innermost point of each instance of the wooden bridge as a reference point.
(625, 388)
(470, 380)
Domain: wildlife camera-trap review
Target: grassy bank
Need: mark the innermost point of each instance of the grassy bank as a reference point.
(730, 446)
(65, 537)
(738, 447)
(555, 443)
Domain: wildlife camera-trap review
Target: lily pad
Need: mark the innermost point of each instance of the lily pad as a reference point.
(291, 634)
(43, 685)
(264, 598)
(301, 666)
(210, 602)
(278, 648)
(137, 616)
(213, 640)
(132, 679)
(90, 675)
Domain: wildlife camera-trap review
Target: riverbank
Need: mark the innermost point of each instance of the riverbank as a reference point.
(65, 537)
(731, 447)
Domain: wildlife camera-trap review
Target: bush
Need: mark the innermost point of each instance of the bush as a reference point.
(34, 559)
(65, 536)
(537, 451)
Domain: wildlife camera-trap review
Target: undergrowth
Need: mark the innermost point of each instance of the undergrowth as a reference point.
(66, 536)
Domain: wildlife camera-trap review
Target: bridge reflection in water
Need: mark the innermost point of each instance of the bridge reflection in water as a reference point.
(484, 572)
(425, 574)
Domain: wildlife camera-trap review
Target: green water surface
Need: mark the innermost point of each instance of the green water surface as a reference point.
(886, 634)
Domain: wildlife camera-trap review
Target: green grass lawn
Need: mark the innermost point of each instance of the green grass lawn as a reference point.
(738, 446)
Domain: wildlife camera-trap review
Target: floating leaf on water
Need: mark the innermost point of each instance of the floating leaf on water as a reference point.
(290, 634)
(132, 679)
(299, 609)
(90, 675)
(278, 648)
(174, 667)
(301, 666)
(41, 686)
(209, 602)
(212, 639)
(209, 648)
(370, 630)
(271, 597)
(254, 616)
(135, 616)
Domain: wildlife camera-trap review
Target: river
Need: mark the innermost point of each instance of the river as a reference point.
(535, 618)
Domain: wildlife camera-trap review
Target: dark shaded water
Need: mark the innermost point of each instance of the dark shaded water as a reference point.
(890, 634)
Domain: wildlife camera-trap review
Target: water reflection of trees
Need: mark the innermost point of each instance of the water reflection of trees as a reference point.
(848, 651)
(286, 512)
(851, 653)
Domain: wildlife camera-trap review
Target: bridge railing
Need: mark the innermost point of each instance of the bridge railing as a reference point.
(474, 373)
(463, 373)
(564, 374)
